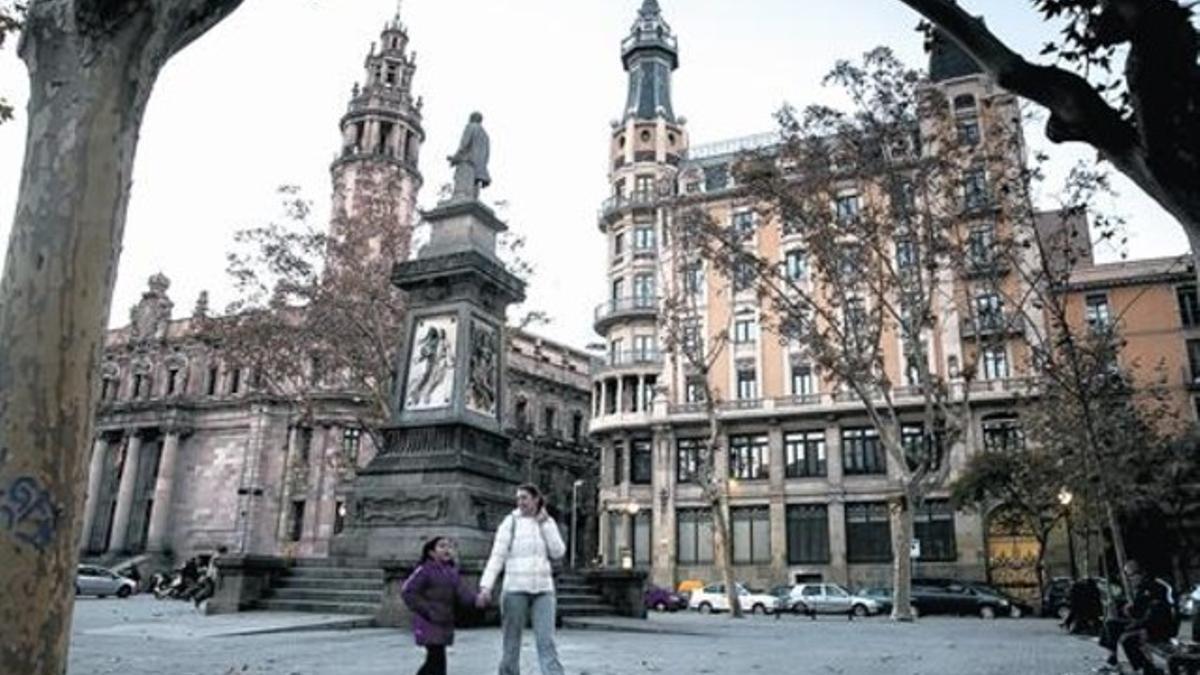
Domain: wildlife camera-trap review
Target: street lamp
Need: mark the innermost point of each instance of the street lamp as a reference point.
(1065, 497)
(574, 502)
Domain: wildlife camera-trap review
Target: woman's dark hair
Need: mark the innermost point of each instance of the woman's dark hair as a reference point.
(533, 491)
(427, 548)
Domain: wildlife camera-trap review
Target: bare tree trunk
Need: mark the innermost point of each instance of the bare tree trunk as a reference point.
(900, 512)
(723, 553)
(91, 67)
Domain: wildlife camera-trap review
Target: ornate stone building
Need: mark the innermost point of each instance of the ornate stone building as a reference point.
(809, 477)
(191, 452)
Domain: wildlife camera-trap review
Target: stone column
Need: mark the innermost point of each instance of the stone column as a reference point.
(778, 503)
(639, 403)
(160, 515)
(620, 394)
(833, 455)
(95, 475)
(120, 527)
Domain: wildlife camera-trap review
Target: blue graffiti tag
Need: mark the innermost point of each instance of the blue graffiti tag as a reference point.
(28, 512)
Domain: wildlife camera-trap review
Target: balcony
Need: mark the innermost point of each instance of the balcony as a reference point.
(632, 359)
(993, 324)
(977, 267)
(625, 308)
(617, 205)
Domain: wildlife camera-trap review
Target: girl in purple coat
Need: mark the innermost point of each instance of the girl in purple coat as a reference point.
(431, 592)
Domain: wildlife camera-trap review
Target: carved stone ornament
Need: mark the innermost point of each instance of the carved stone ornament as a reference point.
(148, 320)
(383, 511)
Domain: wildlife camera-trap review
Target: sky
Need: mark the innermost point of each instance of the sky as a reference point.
(255, 104)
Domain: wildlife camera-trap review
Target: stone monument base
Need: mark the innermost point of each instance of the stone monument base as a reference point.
(451, 480)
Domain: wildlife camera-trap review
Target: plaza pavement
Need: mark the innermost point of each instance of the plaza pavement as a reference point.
(143, 636)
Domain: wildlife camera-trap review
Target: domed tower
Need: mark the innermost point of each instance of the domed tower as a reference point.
(645, 151)
(375, 176)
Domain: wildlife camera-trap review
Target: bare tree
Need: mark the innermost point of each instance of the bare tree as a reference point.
(696, 354)
(11, 14)
(878, 197)
(92, 66)
(1143, 120)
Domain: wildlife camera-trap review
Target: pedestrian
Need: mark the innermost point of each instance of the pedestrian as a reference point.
(525, 543)
(432, 592)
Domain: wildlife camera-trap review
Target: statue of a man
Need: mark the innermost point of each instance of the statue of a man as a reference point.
(470, 162)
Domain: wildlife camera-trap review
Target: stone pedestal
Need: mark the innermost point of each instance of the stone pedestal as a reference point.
(445, 467)
(242, 580)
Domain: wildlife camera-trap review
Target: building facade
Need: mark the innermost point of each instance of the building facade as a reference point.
(808, 478)
(192, 452)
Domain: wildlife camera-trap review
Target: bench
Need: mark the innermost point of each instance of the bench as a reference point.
(1180, 657)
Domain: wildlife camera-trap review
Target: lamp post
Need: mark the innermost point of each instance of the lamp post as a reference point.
(1065, 497)
(574, 506)
(627, 555)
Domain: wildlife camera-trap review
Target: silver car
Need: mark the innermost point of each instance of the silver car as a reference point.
(102, 582)
(830, 599)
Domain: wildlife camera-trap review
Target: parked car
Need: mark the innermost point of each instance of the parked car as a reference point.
(1017, 607)
(958, 598)
(664, 600)
(712, 598)
(1056, 597)
(882, 595)
(102, 582)
(830, 599)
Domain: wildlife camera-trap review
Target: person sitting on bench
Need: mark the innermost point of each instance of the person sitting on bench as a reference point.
(1149, 619)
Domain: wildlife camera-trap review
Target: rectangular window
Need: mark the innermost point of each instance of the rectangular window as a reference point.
(920, 448)
(643, 290)
(643, 187)
(743, 222)
(933, 526)
(803, 383)
(716, 177)
(618, 289)
(743, 276)
(693, 278)
(847, 208)
(643, 238)
(974, 188)
(981, 244)
(619, 244)
(807, 534)
(745, 331)
(1189, 305)
(1002, 434)
(577, 427)
(694, 536)
(796, 264)
(862, 453)
(748, 457)
(1193, 350)
(618, 456)
(640, 545)
(643, 462)
(296, 520)
(172, 381)
(995, 363)
(747, 383)
(989, 310)
(235, 381)
(687, 458)
(645, 348)
(351, 442)
(212, 380)
(968, 131)
(695, 391)
(868, 533)
(804, 454)
(908, 256)
(1097, 313)
(751, 535)
(304, 444)
(548, 421)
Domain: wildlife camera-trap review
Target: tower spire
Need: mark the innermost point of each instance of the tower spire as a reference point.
(650, 53)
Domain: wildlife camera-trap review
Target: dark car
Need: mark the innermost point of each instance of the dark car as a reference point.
(1056, 597)
(664, 600)
(956, 598)
(1017, 607)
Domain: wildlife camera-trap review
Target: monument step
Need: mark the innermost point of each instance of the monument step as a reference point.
(312, 606)
(587, 610)
(302, 583)
(334, 573)
(579, 598)
(340, 563)
(302, 595)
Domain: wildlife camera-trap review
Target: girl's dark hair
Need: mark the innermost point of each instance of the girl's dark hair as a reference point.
(427, 548)
(533, 491)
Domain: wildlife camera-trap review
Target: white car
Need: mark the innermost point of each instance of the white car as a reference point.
(712, 598)
(102, 582)
(830, 599)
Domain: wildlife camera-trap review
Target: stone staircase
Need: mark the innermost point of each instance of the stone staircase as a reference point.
(327, 586)
(355, 586)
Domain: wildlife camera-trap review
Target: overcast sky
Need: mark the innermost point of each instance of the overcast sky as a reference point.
(255, 104)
